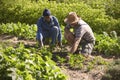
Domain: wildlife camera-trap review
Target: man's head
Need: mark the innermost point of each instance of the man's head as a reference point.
(46, 14)
(72, 19)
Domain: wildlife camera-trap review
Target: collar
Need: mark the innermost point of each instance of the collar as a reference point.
(78, 24)
(51, 19)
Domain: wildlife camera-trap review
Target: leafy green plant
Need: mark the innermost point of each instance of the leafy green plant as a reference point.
(99, 61)
(60, 60)
(28, 64)
(76, 61)
(25, 12)
(113, 71)
(20, 30)
(107, 45)
(92, 63)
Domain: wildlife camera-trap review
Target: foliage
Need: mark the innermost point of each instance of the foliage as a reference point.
(20, 30)
(94, 13)
(78, 61)
(113, 71)
(34, 64)
(108, 45)
(111, 6)
(27, 64)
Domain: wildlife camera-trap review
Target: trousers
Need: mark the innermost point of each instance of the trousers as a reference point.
(48, 34)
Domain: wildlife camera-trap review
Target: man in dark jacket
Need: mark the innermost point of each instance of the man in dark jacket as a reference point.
(48, 28)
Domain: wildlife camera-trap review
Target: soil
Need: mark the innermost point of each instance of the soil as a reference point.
(72, 74)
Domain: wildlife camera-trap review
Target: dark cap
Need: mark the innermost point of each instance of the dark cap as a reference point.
(46, 12)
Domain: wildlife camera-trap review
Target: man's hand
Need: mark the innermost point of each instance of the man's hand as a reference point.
(66, 30)
(75, 45)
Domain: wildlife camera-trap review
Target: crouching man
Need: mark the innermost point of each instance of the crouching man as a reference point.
(82, 35)
(48, 28)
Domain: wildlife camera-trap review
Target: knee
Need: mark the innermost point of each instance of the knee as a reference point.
(54, 28)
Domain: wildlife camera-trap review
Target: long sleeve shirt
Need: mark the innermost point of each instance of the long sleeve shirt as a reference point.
(42, 25)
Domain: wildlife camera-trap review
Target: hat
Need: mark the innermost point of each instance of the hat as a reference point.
(72, 18)
(46, 12)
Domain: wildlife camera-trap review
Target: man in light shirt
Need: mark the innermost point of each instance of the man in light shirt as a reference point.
(82, 35)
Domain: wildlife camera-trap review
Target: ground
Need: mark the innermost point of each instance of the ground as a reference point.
(73, 74)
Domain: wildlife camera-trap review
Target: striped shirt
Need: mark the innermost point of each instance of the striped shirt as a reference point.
(83, 31)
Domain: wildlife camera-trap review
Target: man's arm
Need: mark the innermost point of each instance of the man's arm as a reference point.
(78, 36)
(39, 32)
(39, 22)
(57, 24)
(75, 45)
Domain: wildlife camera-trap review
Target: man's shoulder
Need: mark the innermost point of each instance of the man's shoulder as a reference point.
(41, 19)
(53, 17)
(82, 22)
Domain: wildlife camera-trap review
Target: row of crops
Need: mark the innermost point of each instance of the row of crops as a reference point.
(106, 43)
(25, 31)
(19, 17)
(18, 62)
(21, 63)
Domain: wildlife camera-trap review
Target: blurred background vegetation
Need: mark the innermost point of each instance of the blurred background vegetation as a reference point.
(102, 15)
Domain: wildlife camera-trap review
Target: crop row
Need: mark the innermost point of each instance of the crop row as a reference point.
(106, 43)
(28, 64)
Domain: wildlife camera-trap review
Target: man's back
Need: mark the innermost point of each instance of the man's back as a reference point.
(84, 31)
